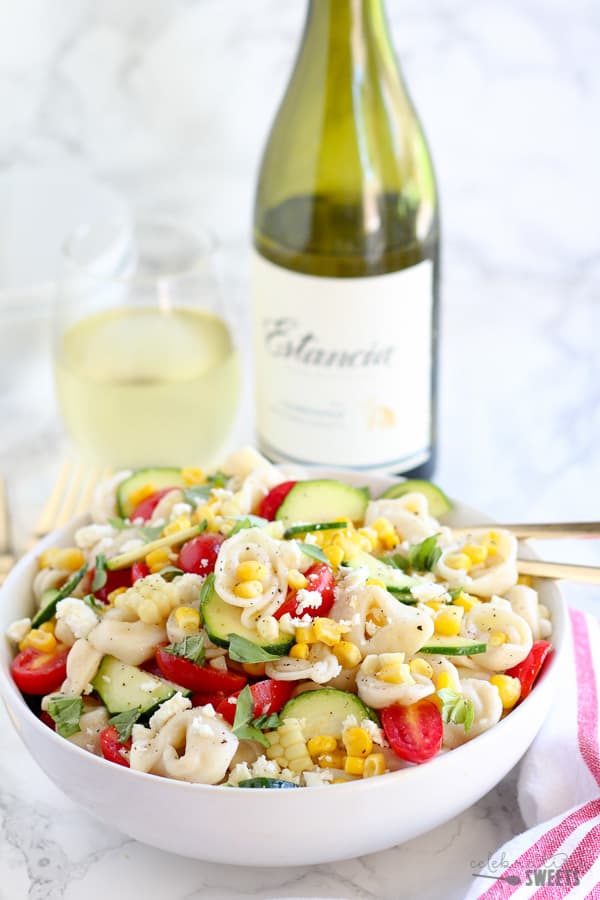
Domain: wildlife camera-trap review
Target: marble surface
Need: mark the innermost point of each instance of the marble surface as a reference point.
(169, 102)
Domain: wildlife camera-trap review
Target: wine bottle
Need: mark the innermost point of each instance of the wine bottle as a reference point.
(346, 257)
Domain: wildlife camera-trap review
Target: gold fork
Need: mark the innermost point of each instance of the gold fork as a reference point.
(7, 554)
(71, 495)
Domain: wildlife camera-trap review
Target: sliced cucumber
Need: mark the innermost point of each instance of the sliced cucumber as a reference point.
(158, 479)
(266, 783)
(221, 619)
(325, 500)
(453, 646)
(54, 597)
(124, 560)
(313, 526)
(122, 687)
(324, 711)
(437, 501)
(391, 577)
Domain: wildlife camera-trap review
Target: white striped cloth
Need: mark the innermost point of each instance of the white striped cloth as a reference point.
(559, 792)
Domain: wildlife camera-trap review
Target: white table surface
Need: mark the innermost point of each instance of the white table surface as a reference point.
(516, 138)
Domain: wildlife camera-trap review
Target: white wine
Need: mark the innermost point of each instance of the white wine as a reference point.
(346, 250)
(140, 386)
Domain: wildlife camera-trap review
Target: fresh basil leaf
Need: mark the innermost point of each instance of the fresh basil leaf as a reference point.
(244, 708)
(266, 722)
(170, 572)
(124, 723)
(313, 551)
(119, 523)
(207, 588)
(100, 575)
(424, 556)
(243, 522)
(456, 709)
(190, 648)
(150, 532)
(66, 713)
(397, 561)
(199, 493)
(403, 593)
(455, 593)
(247, 732)
(94, 604)
(244, 651)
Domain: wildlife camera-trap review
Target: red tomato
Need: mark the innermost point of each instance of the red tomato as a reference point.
(200, 679)
(528, 670)
(145, 509)
(202, 699)
(320, 578)
(415, 732)
(47, 719)
(271, 503)
(269, 697)
(114, 580)
(111, 746)
(200, 554)
(35, 672)
(139, 570)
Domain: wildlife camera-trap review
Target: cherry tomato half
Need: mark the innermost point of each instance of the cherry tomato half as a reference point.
(38, 673)
(111, 746)
(146, 507)
(114, 580)
(203, 698)
(415, 732)
(200, 679)
(139, 570)
(269, 696)
(528, 670)
(200, 554)
(271, 503)
(320, 578)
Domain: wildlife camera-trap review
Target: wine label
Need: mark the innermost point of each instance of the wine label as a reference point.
(343, 366)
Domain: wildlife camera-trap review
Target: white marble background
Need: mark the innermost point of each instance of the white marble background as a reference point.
(169, 101)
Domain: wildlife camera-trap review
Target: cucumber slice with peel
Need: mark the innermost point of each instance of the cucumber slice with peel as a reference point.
(124, 560)
(391, 577)
(324, 711)
(453, 646)
(314, 526)
(122, 687)
(221, 620)
(325, 500)
(437, 502)
(266, 783)
(157, 478)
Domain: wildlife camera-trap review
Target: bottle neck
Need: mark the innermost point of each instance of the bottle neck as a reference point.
(347, 28)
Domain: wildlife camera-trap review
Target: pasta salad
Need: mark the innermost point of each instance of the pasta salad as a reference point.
(256, 627)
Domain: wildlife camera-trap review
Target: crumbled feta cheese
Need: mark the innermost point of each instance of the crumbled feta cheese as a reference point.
(200, 727)
(209, 711)
(308, 600)
(349, 722)
(239, 773)
(375, 732)
(204, 562)
(181, 509)
(17, 631)
(147, 686)
(77, 616)
(310, 538)
(288, 623)
(288, 775)
(265, 768)
(317, 779)
(427, 591)
(232, 700)
(177, 703)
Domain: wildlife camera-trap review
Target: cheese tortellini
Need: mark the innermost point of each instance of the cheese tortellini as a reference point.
(379, 693)
(131, 642)
(321, 667)
(495, 575)
(524, 601)
(487, 709)
(507, 635)
(408, 514)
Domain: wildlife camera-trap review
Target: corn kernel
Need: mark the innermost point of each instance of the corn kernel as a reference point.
(458, 561)
(347, 654)
(508, 688)
(158, 559)
(299, 651)
(370, 535)
(386, 533)
(333, 760)
(436, 605)
(114, 594)
(187, 618)
(257, 670)
(251, 570)
(376, 616)
(305, 634)
(39, 640)
(181, 523)
(497, 638)
(296, 580)
(421, 667)
(477, 553)
(374, 765)
(191, 475)
(445, 681)
(146, 490)
(465, 601)
(395, 673)
(354, 765)
(328, 631)
(527, 580)
(357, 742)
(375, 582)
(447, 622)
(321, 743)
(335, 556)
(68, 558)
(48, 627)
(248, 590)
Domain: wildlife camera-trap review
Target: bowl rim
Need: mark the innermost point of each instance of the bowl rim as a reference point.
(560, 634)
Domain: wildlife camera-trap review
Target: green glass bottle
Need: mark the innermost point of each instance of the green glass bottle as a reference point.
(345, 262)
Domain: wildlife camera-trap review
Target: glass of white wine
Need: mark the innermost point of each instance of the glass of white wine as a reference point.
(147, 371)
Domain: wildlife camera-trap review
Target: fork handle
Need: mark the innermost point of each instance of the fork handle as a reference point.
(567, 571)
(555, 530)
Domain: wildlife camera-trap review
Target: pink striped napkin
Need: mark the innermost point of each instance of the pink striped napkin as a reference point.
(559, 792)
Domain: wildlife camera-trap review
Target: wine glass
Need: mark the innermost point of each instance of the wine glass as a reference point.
(147, 371)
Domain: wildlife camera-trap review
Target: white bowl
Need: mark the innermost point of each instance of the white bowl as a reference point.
(311, 825)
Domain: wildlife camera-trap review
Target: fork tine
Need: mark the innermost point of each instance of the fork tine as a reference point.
(88, 487)
(48, 517)
(70, 497)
